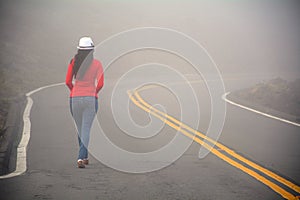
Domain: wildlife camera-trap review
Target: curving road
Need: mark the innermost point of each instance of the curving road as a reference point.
(51, 157)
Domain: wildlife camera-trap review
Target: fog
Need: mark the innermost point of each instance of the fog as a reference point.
(249, 38)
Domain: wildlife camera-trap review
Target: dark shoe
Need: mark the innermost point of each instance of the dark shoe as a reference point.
(80, 164)
(85, 161)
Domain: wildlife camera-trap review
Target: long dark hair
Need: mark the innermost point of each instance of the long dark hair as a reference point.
(83, 59)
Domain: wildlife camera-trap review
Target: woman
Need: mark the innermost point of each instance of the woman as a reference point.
(87, 74)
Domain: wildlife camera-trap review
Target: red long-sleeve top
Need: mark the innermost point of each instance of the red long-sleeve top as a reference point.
(90, 84)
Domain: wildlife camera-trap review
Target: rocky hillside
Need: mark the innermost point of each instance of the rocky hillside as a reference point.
(277, 96)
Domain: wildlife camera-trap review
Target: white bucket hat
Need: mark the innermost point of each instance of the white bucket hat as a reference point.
(85, 43)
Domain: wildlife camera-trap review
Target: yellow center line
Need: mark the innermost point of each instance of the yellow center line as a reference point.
(229, 151)
(146, 107)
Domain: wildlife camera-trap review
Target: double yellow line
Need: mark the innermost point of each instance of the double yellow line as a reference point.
(228, 155)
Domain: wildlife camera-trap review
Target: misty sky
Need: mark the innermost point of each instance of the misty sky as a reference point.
(255, 37)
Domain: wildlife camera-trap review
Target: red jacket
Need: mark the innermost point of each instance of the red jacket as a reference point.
(86, 86)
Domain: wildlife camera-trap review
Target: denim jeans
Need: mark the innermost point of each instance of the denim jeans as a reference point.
(83, 110)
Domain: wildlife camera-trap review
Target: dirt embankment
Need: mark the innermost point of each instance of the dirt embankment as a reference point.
(3, 102)
(277, 97)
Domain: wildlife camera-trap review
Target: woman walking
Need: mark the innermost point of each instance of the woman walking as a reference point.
(87, 74)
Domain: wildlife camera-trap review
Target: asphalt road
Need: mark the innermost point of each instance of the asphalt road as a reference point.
(52, 151)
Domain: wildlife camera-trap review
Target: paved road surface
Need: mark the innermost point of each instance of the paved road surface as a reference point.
(52, 151)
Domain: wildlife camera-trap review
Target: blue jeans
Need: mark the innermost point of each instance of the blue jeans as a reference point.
(83, 110)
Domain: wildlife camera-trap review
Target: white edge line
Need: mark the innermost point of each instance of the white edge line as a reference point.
(21, 160)
(258, 112)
